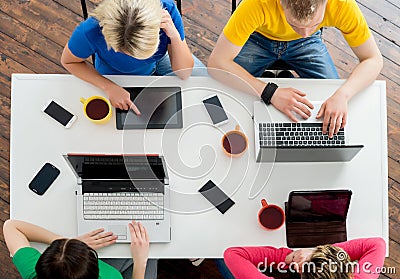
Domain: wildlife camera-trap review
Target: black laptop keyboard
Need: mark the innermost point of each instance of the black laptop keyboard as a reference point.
(118, 160)
(297, 134)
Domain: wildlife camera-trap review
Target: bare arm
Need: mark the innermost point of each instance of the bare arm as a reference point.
(139, 249)
(334, 109)
(365, 73)
(18, 234)
(80, 68)
(222, 67)
(287, 100)
(181, 58)
(369, 254)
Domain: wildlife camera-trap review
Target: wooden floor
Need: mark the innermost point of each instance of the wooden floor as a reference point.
(32, 36)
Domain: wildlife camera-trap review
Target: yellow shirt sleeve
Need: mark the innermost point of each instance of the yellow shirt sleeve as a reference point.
(248, 16)
(352, 24)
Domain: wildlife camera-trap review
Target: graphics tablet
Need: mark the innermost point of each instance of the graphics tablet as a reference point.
(160, 108)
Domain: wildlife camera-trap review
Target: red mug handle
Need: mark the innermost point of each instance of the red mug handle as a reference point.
(264, 203)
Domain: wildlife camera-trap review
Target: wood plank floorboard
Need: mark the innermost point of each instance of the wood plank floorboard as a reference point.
(34, 32)
(4, 195)
(384, 28)
(30, 38)
(27, 57)
(394, 169)
(386, 8)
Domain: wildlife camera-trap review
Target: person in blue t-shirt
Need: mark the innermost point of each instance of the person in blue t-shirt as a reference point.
(129, 37)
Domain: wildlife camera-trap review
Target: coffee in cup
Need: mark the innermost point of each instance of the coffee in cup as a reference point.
(234, 143)
(97, 109)
(270, 216)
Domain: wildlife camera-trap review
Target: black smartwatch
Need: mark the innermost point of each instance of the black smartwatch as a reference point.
(268, 92)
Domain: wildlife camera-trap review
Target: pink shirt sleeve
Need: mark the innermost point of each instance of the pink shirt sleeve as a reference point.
(370, 254)
(243, 262)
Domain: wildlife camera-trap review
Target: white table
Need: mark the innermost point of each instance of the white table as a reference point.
(194, 155)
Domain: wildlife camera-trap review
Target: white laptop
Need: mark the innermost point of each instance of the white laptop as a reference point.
(278, 139)
(112, 190)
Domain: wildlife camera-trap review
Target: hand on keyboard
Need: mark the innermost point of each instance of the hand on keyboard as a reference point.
(98, 239)
(289, 100)
(139, 245)
(334, 112)
(297, 134)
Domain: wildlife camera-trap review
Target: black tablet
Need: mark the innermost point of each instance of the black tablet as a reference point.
(160, 108)
(322, 205)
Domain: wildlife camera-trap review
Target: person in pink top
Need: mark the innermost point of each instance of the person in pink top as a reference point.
(357, 259)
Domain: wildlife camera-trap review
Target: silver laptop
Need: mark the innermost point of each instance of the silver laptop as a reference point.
(281, 140)
(113, 190)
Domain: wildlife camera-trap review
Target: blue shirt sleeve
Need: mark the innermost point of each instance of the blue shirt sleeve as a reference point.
(176, 18)
(78, 43)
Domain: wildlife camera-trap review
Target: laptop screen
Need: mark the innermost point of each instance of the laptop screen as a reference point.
(131, 167)
(329, 205)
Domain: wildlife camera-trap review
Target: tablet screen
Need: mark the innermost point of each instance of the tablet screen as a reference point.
(329, 205)
(160, 108)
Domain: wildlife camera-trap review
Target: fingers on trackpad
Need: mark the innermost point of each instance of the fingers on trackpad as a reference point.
(119, 231)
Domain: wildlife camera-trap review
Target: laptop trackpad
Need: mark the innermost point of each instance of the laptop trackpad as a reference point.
(119, 231)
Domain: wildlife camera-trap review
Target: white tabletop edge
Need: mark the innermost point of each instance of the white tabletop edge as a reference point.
(383, 114)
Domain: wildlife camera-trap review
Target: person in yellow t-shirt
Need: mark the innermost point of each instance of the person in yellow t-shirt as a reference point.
(262, 31)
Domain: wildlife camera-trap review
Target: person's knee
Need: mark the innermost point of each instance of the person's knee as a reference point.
(318, 71)
(199, 69)
(151, 269)
(332, 74)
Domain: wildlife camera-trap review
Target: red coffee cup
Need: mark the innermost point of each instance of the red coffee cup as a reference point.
(270, 216)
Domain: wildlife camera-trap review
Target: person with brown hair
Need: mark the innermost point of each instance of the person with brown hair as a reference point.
(354, 259)
(261, 32)
(70, 258)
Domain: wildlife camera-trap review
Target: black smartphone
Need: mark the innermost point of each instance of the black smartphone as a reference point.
(60, 114)
(216, 196)
(215, 110)
(44, 178)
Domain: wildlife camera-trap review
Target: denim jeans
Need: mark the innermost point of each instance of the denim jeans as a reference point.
(307, 56)
(125, 267)
(223, 269)
(163, 67)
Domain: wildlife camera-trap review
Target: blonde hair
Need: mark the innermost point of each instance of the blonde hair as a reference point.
(328, 262)
(302, 10)
(130, 26)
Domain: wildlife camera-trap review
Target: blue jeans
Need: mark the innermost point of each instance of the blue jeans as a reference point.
(163, 67)
(307, 56)
(125, 267)
(223, 269)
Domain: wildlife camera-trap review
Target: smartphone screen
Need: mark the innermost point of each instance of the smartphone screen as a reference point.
(215, 109)
(216, 196)
(44, 178)
(58, 113)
